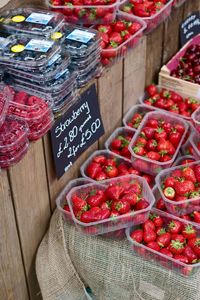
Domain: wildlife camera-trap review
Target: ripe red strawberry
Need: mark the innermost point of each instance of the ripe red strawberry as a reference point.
(151, 145)
(195, 245)
(132, 198)
(100, 176)
(148, 132)
(96, 198)
(92, 170)
(149, 235)
(178, 237)
(189, 174)
(151, 89)
(66, 208)
(176, 173)
(169, 181)
(153, 245)
(184, 187)
(153, 155)
(166, 251)
(196, 216)
(116, 144)
(99, 159)
(181, 258)
(189, 253)
(161, 204)
(148, 224)
(111, 171)
(197, 172)
(189, 232)
(114, 192)
(176, 247)
(157, 220)
(141, 204)
(175, 226)
(164, 239)
(137, 235)
(121, 206)
(79, 203)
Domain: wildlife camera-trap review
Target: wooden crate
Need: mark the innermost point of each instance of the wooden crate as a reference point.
(176, 84)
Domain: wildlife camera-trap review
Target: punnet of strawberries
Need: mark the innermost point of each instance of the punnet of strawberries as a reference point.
(189, 65)
(117, 38)
(87, 11)
(143, 8)
(170, 237)
(94, 203)
(135, 116)
(171, 101)
(182, 183)
(103, 167)
(158, 139)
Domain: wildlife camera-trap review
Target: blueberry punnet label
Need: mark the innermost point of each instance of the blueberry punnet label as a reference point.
(39, 45)
(80, 36)
(39, 18)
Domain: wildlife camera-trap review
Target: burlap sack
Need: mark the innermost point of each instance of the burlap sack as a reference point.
(108, 266)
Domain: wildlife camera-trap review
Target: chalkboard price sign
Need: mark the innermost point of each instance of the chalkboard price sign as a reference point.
(76, 130)
(190, 27)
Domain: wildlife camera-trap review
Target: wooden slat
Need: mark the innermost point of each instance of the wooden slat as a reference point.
(134, 75)
(31, 201)
(110, 99)
(154, 54)
(12, 278)
(171, 34)
(55, 185)
(191, 6)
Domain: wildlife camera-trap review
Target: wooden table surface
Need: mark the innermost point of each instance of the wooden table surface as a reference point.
(28, 190)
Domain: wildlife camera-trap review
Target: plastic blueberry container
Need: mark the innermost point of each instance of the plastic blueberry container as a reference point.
(120, 131)
(196, 119)
(28, 51)
(61, 200)
(10, 158)
(146, 96)
(117, 223)
(68, 101)
(13, 133)
(141, 109)
(147, 165)
(180, 159)
(93, 73)
(88, 16)
(80, 42)
(30, 21)
(5, 98)
(81, 63)
(153, 21)
(119, 52)
(178, 207)
(158, 258)
(107, 154)
(57, 64)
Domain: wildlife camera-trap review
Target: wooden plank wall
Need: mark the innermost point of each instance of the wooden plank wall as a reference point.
(28, 190)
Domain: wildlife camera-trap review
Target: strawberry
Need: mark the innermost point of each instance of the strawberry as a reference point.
(93, 169)
(189, 232)
(195, 245)
(151, 89)
(79, 203)
(169, 193)
(153, 245)
(178, 237)
(96, 198)
(111, 171)
(196, 216)
(189, 253)
(181, 258)
(149, 235)
(132, 198)
(175, 226)
(114, 192)
(142, 204)
(184, 187)
(189, 174)
(121, 206)
(161, 204)
(99, 159)
(169, 181)
(176, 247)
(164, 239)
(157, 220)
(137, 235)
(166, 251)
(197, 172)
(148, 224)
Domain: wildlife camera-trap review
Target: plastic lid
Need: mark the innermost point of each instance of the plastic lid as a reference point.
(31, 21)
(58, 63)
(12, 133)
(79, 41)
(31, 52)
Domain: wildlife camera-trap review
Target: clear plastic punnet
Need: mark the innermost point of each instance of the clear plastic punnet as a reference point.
(28, 51)
(123, 133)
(145, 164)
(195, 143)
(136, 109)
(196, 119)
(56, 65)
(108, 155)
(113, 223)
(159, 258)
(191, 147)
(61, 200)
(111, 56)
(86, 14)
(80, 42)
(182, 207)
(146, 96)
(30, 21)
(5, 97)
(156, 19)
(94, 72)
(183, 160)
(13, 133)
